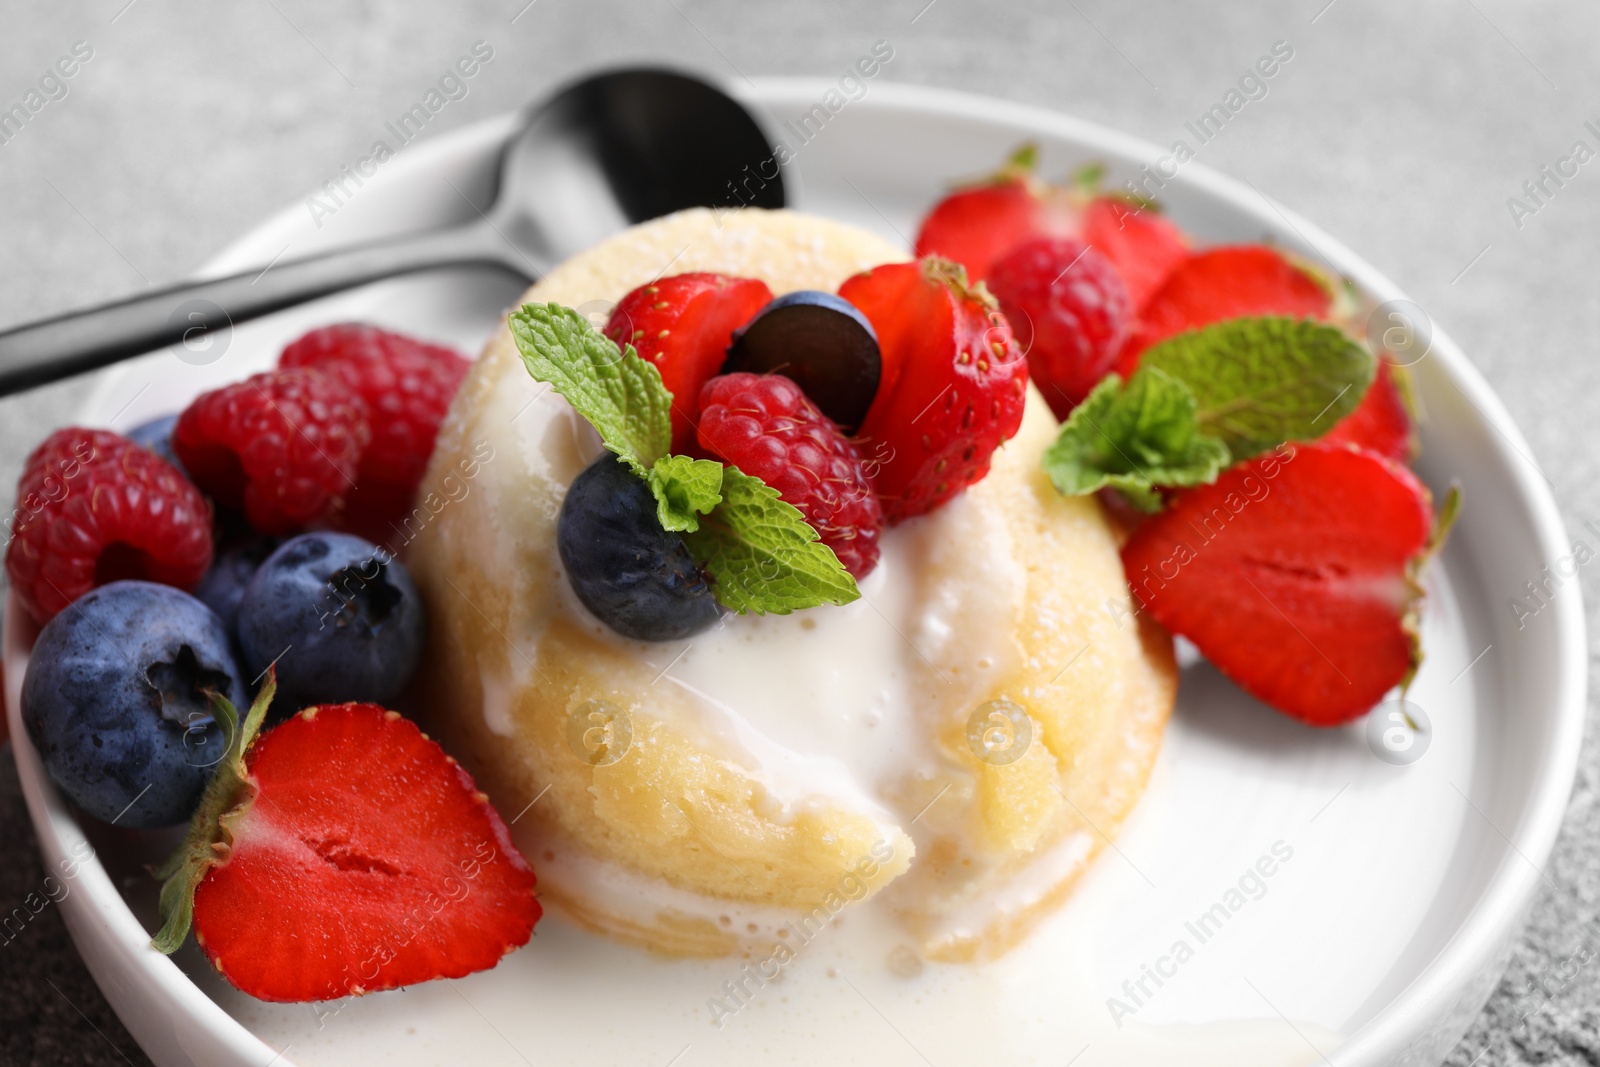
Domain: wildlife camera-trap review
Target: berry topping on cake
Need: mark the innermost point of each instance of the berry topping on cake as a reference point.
(683, 324)
(339, 617)
(1225, 283)
(284, 446)
(1070, 311)
(756, 550)
(953, 388)
(1296, 574)
(635, 576)
(978, 223)
(407, 386)
(343, 853)
(767, 427)
(93, 507)
(115, 702)
(821, 342)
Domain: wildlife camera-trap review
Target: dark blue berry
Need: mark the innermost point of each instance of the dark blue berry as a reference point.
(114, 700)
(821, 342)
(339, 616)
(156, 435)
(223, 587)
(636, 577)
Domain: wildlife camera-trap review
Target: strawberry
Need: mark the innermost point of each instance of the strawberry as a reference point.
(1296, 575)
(344, 853)
(684, 324)
(1383, 422)
(953, 385)
(979, 223)
(1141, 243)
(1070, 311)
(1224, 283)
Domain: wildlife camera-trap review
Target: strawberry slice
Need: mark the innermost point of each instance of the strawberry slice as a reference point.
(953, 385)
(978, 223)
(1142, 244)
(1296, 575)
(344, 853)
(1224, 283)
(1384, 421)
(684, 324)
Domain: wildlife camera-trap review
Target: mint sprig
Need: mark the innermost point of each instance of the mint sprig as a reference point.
(1135, 437)
(685, 489)
(1205, 399)
(760, 552)
(763, 553)
(1259, 382)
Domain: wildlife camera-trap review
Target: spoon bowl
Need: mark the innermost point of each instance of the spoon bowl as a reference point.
(619, 148)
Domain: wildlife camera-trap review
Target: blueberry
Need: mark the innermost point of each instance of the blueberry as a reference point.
(114, 701)
(638, 578)
(821, 342)
(223, 586)
(156, 435)
(340, 617)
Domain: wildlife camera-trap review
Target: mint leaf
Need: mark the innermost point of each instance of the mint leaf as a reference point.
(1134, 437)
(762, 554)
(685, 489)
(618, 392)
(1262, 381)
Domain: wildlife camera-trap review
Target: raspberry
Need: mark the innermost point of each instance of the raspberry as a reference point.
(1070, 311)
(94, 507)
(284, 446)
(764, 425)
(407, 385)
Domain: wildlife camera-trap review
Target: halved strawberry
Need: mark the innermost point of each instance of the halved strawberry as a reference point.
(977, 224)
(1144, 245)
(344, 853)
(1296, 574)
(1224, 283)
(1384, 421)
(683, 324)
(953, 386)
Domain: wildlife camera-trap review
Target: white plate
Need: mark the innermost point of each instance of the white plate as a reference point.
(1377, 942)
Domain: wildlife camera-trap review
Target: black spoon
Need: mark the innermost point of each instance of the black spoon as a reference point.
(608, 151)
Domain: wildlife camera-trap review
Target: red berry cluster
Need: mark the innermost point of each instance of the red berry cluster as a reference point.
(950, 388)
(340, 433)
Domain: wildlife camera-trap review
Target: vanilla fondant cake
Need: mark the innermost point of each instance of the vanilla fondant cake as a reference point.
(961, 739)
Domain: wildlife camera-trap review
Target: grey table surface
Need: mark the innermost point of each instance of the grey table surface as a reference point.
(1403, 129)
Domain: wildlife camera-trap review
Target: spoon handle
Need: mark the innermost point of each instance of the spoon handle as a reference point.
(182, 316)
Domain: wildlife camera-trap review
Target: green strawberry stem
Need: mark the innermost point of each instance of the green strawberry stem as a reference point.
(1411, 621)
(228, 795)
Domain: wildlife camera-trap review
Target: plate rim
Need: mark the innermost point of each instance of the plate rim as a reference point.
(1477, 942)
